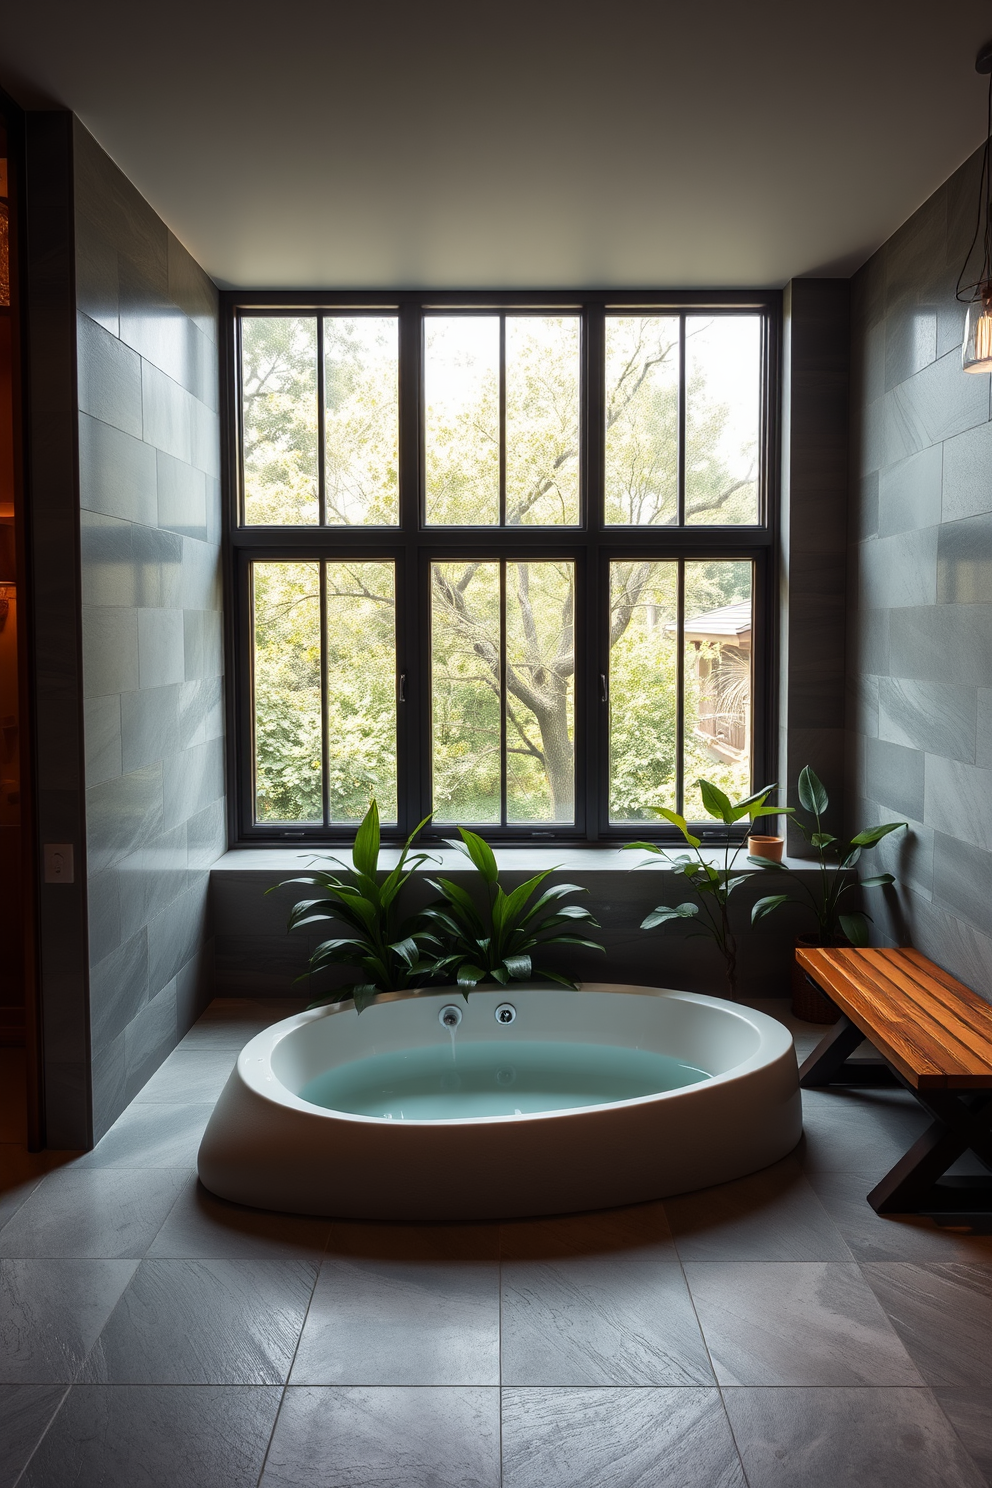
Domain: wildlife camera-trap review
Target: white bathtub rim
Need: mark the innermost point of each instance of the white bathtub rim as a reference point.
(254, 1063)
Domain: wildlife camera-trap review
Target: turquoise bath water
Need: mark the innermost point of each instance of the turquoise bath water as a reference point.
(488, 1079)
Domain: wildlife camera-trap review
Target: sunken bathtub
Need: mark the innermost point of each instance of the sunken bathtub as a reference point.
(521, 1101)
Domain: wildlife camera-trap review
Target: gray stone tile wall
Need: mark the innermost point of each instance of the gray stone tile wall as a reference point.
(813, 536)
(920, 582)
(151, 623)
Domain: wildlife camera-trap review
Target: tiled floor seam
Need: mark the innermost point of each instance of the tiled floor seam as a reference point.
(709, 1356)
(930, 1388)
(51, 1423)
(499, 1342)
(964, 1445)
(289, 1371)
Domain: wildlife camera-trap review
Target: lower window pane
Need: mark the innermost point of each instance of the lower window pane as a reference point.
(361, 690)
(643, 690)
(286, 611)
(717, 681)
(465, 673)
(540, 670)
(475, 645)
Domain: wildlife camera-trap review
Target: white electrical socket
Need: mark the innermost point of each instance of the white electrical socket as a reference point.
(58, 863)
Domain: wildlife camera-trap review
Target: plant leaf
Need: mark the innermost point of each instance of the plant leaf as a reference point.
(518, 966)
(757, 812)
(812, 793)
(469, 975)
(365, 853)
(871, 835)
(363, 995)
(765, 906)
(480, 852)
(877, 881)
(667, 912)
(715, 802)
(855, 927)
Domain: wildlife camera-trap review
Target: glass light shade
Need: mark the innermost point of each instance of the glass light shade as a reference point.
(976, 351)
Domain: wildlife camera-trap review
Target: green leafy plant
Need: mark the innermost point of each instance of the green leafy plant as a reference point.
(388, 950)
(714, 885)
(837, 858)
(498, 942)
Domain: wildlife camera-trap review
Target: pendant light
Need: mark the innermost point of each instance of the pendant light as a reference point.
(976, 350)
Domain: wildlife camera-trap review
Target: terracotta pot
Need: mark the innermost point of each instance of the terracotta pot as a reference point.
(808, 1002)
(766, 847)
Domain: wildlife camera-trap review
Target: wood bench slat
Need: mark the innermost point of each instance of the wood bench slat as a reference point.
(921, 1039)
(936, 1031)
(869, 1005)
(938, 1017)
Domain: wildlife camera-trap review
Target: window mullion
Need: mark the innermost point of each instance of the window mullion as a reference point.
(324, 749)
(502, 693)
(502, 421)
(680, 687)
(680, 477)
(321, 425)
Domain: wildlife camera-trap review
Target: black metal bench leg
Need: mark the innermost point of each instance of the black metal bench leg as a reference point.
(916, 1185)
(826, 1060)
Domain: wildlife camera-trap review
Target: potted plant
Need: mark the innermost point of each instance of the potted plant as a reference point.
(497, 942)
(837, 858)
(388, 951)
(714, 885)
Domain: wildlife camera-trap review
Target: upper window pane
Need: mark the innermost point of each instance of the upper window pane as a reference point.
(361, 420)
(461, 414)
(542, 420)
(279, 410)
(642, 419)
(723, 404)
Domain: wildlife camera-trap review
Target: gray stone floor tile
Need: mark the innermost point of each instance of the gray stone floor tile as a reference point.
(200, 1224)
(407, 1242)
(151, 1136)
(195, 1076)
(229, 1022)
(163, 1436)
(204, 1322)
(25, 1412)
(796, 1323)
(21, 1172)
(586, 1323)
(385, 1438)
(51, 1315)
(895, 1237)
(108, 1212)
(769, 1216)
(401, 1323)
(851, 1130)
(638, 1233)
(618, 1438)
(942, 1311)
(847, 1438)
(970, 1413)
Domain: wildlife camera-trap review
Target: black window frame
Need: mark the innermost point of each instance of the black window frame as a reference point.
(592, 545)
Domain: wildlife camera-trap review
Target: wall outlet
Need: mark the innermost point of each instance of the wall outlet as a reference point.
(58, 863)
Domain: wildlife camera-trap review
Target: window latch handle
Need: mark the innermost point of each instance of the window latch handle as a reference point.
(604, 690)
(402, 687)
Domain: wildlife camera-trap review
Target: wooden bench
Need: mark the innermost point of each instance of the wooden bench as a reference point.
(935, 1038)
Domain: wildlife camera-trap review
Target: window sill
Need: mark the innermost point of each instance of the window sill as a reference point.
(578, 860)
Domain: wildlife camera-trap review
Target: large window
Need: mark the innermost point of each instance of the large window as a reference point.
(503, 561)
